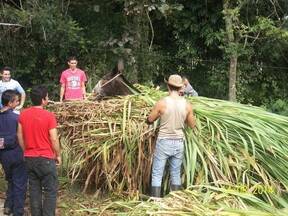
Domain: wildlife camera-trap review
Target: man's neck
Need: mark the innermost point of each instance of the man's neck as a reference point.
(39, 107)
(174, 93)
(5, 108)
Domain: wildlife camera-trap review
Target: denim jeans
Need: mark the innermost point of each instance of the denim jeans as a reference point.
(173, 151)
(42, 181)
(16, 176)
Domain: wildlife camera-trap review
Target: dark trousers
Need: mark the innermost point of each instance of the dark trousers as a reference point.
(43, 185)
(16, 176)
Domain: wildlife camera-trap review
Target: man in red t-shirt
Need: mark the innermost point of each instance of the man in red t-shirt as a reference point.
(37, 135)
(73, 82)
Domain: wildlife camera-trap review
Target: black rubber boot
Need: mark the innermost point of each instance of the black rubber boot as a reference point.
(175, 187)
(155, 191)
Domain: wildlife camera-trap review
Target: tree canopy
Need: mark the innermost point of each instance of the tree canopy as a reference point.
(203, 40)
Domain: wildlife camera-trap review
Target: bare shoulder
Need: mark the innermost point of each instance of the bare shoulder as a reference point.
(161, 102)
(160, 105)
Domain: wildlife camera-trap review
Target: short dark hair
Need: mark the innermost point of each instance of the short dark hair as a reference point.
(173, 88)
(37, 94)
(6, 68)
(71, 58)
(8, 96)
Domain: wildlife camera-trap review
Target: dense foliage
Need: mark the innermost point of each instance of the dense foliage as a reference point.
(156, 38)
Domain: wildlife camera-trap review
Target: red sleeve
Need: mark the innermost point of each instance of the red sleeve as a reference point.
(63, 78)
(84, 78)
(52, 122)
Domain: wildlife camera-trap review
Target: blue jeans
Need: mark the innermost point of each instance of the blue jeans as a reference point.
(173, 151)
(16, 176)
(43, 185)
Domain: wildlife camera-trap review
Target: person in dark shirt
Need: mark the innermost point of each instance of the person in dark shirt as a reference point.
(11, 155)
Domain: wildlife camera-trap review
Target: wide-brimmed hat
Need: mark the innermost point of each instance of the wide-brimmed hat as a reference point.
(175, 80)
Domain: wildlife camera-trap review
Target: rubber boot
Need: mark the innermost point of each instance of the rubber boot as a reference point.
(155, 191)
(175, 187)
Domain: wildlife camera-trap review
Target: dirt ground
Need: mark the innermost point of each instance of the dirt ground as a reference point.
(70, 200)
(2, 198)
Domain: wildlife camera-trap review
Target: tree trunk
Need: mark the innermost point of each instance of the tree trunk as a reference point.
(232, 78)
(233, 56)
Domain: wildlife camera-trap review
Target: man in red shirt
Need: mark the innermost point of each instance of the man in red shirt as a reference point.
(73, 82)
(37, 135)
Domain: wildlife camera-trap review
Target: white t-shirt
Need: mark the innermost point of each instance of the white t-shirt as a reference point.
(11, 85)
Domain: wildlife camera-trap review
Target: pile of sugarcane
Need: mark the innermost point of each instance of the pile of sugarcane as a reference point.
(107, 145)
(197, 200)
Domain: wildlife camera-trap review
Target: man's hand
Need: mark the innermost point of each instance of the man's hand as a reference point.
(19, 107)
(55, 144)
(62, 91)
(58, 160)
(148, 122)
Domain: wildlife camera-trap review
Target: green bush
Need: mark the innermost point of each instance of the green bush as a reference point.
(279, 106)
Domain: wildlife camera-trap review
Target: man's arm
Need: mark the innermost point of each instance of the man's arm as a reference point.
(156, 112)
(194, 93)
(55, 144)
(190, 119)
(20, 106)
(83, 89)
(20, 136)
(62, 90)
(23, 97)
(190, 91)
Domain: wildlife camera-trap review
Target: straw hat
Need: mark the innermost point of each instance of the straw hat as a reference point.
(175, 80)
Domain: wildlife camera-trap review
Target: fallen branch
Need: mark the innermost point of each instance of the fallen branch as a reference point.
(10, 24)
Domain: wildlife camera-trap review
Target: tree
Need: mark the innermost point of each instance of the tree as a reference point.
(229, 16)
(195, 38)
